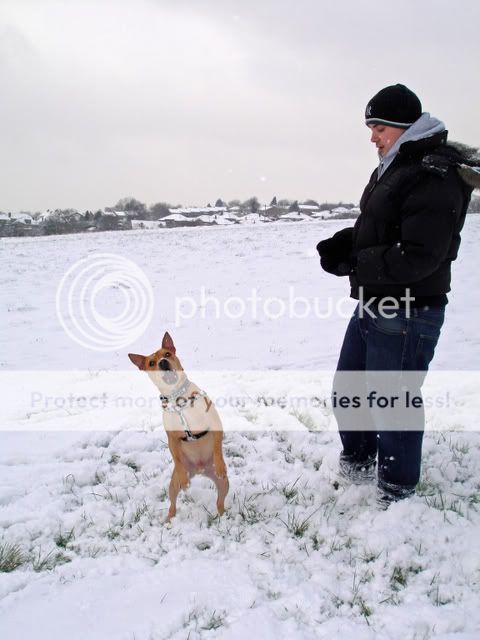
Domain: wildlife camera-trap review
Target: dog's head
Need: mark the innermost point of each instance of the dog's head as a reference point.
(163, 366)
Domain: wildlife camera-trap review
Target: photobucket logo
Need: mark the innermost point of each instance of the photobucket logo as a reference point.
(256, 307)
(102, 282)
(291, 306)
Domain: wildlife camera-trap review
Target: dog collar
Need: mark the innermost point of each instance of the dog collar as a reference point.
(177, 393)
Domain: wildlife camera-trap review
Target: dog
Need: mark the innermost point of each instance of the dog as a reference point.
(193, 426)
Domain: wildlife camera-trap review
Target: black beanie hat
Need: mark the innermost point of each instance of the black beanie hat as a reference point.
(395, 106)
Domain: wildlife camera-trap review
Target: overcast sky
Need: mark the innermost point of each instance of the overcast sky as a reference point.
(187, 101)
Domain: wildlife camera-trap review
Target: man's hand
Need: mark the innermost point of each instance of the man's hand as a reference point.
(335, 253)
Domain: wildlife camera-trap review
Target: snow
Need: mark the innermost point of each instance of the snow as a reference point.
(322, 214)
(83, 476)
(251, 218)
(295, 216)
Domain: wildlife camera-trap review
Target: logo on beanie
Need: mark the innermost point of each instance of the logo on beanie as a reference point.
(368, 112)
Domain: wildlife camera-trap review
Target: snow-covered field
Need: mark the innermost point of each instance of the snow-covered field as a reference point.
(83, 478)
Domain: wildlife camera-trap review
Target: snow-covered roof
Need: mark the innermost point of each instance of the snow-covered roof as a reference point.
(198, 210)
(294, 215)
(177, 217)
(309, 207)
(346, 211)
(17, 217)
(233, 215)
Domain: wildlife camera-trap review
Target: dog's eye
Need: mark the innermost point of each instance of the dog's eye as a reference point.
(168, 354)
(151, 363)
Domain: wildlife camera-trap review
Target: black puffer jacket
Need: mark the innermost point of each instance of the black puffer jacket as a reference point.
(408, 231)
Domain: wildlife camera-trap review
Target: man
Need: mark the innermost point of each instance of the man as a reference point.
(398, 257)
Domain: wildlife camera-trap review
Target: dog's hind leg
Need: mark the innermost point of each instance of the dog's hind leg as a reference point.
(222, 485)
(222, 490)
(173, 491)
(218, 461)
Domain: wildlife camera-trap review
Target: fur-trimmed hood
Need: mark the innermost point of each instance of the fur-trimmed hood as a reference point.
(468, 165)
(429, 129)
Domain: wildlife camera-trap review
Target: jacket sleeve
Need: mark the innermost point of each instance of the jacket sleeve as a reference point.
(428, 218)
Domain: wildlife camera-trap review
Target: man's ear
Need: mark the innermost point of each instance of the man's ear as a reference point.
(167, 342)
(138, 360)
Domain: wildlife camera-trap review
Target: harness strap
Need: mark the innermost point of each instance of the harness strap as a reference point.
(170, 404)
(191, 436)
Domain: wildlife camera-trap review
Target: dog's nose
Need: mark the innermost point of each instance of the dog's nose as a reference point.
(164, 365)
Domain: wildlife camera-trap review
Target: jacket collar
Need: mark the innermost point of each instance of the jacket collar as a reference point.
(426, 128)
(419, 147)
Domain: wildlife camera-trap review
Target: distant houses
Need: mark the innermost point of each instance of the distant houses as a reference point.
(197, 217)
(129, 214)
(19, 224)
(61, 221)
(211, 216)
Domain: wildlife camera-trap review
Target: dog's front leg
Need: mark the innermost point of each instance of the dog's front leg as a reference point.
(180, 473)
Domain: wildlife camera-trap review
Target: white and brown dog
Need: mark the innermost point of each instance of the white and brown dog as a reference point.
(193, 426)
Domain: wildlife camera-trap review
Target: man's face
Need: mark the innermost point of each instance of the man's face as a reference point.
(384, 137)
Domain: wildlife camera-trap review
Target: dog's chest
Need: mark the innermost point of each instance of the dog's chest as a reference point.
(193, 420)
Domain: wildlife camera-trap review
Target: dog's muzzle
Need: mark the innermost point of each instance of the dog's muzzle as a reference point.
(170, 375)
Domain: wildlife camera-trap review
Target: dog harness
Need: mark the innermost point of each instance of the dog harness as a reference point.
(170, 403)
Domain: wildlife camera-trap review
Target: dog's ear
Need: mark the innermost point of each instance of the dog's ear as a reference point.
(138, 361)
(167, 342)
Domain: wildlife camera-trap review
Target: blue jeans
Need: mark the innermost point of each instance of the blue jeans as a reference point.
(405, 342)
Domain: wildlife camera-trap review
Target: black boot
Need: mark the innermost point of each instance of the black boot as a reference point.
(354, 471)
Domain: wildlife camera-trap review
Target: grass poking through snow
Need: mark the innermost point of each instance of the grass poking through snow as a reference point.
(11, 557)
